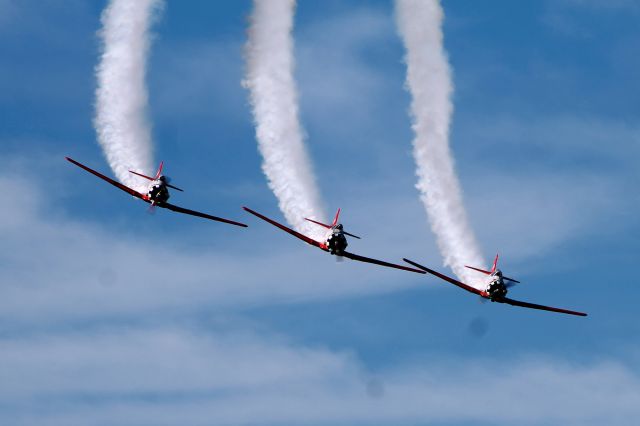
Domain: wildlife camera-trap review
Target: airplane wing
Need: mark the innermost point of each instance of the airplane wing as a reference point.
(359, 258)
(446, 278)
(179, 209)
(111, 181)
(289, 230)
(541, 307)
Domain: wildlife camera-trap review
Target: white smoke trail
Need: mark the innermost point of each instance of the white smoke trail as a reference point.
(121, 97)
(273, 96)
(429, 81)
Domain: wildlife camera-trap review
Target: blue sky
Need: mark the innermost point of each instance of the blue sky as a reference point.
(109, 315)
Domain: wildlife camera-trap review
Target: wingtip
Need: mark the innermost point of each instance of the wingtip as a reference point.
(411, 262)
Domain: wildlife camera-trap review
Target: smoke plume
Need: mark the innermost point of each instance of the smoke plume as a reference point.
(430, 85)
(273, 96)
(121, 97)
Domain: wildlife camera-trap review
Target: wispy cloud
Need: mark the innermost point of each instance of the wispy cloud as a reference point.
(171, 375)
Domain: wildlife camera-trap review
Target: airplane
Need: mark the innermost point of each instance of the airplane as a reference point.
(496, 290)
(335, 242)
(157, 193)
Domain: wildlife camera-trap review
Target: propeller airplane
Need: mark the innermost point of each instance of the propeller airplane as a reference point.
(157, 193)
(335, 242)
(496, 290)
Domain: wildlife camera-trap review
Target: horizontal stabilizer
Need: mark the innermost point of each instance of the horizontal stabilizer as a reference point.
(351, 235)
(175, 187)
(141, 175)
(478, 269)
(318, 223)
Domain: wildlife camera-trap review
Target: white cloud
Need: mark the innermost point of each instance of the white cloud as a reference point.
(534, 184)
(170, 376)
(524, 216)
(575, 140)
(341, 87)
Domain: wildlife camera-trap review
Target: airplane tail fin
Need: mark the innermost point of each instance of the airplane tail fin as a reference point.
(335, 219)
(495, 264)
(333, 224)
(493, 269)
(159, 172)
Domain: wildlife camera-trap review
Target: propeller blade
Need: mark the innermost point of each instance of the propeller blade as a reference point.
(511, 279)
(351, 235)
(510, 284)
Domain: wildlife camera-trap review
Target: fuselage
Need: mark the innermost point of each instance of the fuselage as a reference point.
(496, 289)
(336, 241)
(158, 192)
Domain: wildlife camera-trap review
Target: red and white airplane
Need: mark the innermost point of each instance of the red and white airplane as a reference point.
(157, 193)
(335, 242)
(496, 290)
